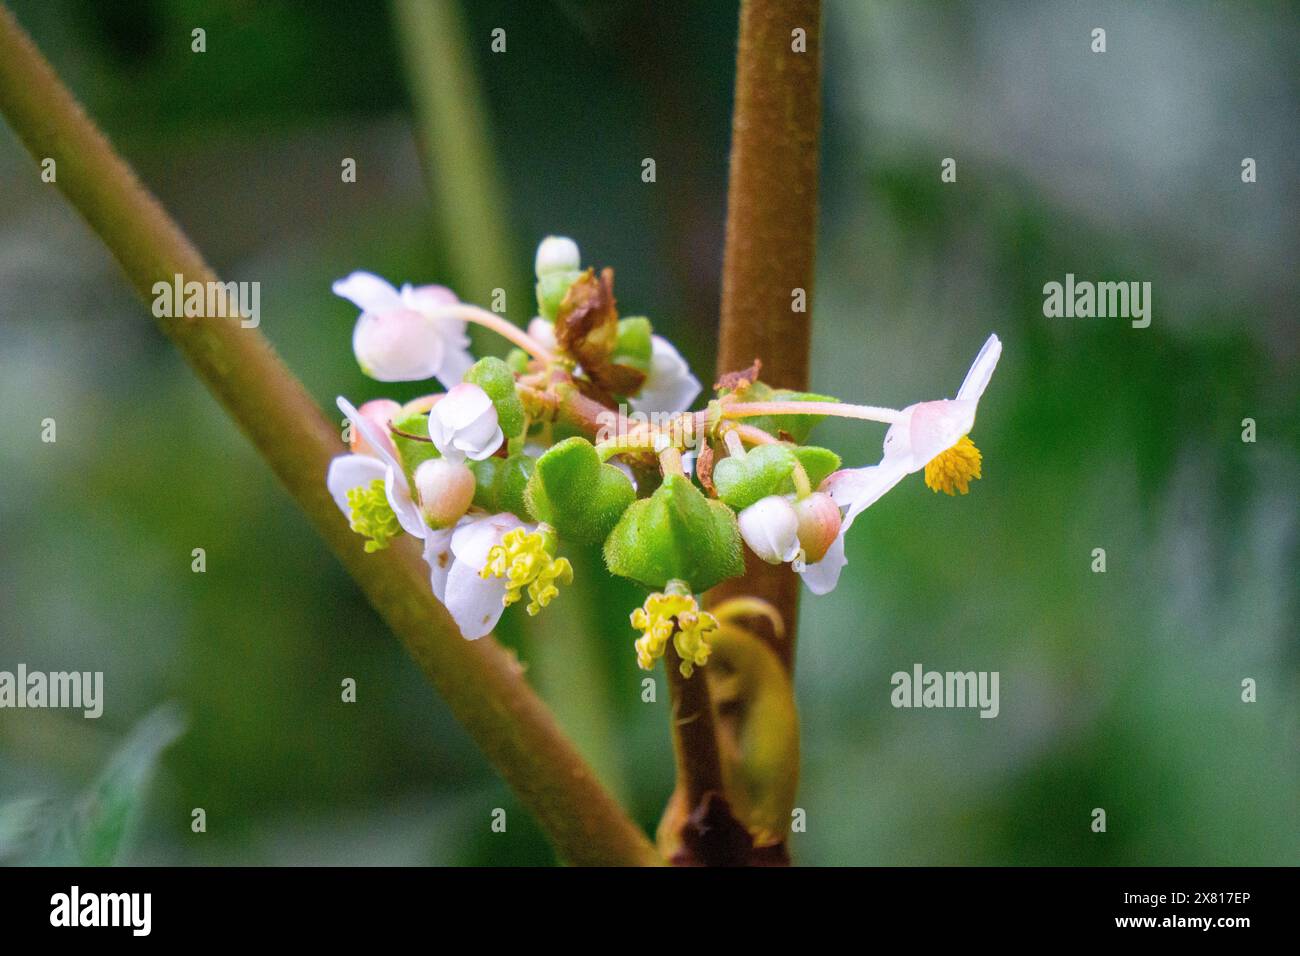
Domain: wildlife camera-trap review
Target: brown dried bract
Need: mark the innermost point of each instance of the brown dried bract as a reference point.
(704, 468)
(586, 324)
(586, 327)
(741, 380)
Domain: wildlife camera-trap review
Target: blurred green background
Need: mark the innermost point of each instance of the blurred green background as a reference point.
(1118, 690)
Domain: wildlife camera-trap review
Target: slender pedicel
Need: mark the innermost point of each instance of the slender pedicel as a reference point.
(503, 327)
(870, 413)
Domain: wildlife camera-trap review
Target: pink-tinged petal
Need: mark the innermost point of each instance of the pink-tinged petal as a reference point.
(771, 529)
(368, 292)
(669, 387)
(475, 602)
(981, 370)
(934, 427)
(437, 554)
(400, 345)
(429, 297)
(351, 471)
(382, 412)
(819, 524)
(473, 539)
(822, 576)
(373, 436)
(445, 490)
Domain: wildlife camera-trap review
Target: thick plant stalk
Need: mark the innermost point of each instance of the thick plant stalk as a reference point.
(481, 682)
(771, 225)
(695, 745)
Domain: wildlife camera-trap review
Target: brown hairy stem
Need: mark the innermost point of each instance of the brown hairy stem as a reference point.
(771, 223)
(481, 682)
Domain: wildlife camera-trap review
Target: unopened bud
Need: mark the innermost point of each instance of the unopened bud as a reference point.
(770, 527)
(464, 424)
(445, 490)
(819, 524)
(556, 254)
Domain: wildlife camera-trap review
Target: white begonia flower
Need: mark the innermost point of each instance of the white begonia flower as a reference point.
(456, 556)
(930, 436)
(669, 386)
(399, 337)
(463, 424)
(556, 254)
(361, 470)
(771, 529)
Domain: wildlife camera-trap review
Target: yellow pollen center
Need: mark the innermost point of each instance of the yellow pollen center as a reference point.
(372, 516)
(524, 559)
(952, 470)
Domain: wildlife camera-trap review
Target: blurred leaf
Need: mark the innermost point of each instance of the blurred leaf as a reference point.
(20, 823)
(102, 819)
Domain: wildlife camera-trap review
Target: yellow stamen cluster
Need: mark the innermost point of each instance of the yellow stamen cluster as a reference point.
(952, 470)
(372, 515)
(525, 560)
(677, 616)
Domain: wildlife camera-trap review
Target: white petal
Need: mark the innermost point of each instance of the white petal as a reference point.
(369, 431)
(351, 471)
(771, 529)
(822, 577)
(981, 370)
(670, 386)
(475, 603)
(368, 292)
(437, 554)
(472, 540)
(399, 499)
(464, 424)
(857, 489)
(456, 361)
(399, 345)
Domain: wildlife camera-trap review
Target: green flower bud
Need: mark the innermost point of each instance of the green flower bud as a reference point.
(551, 289)
(576, 494)
(517, 361)
(676, 533)
(633, 347)
(500, 484)
(495, 377)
